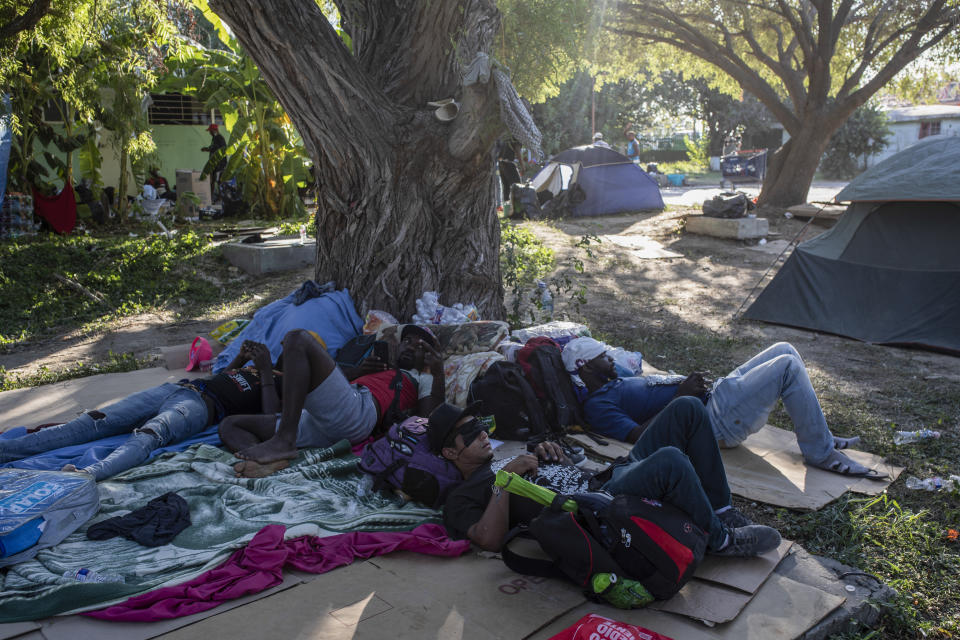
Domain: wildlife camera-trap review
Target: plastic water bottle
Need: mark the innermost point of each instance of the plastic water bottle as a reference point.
(303, 234)
(933, 484)
(906, 437)
(89, 575)
(546, 300)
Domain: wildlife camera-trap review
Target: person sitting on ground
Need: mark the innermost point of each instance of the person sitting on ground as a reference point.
(160, 416)
(738, 404)
(598, 140)
(321, 406)
(676, 460)
(159, 183)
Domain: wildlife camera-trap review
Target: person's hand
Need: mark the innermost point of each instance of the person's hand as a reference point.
(549, 452)
(259, 353)
(522, 465)
(432, 358)
(372, 364)
(694, 385)
(205, 149)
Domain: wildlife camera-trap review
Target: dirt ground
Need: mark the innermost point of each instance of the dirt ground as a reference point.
(677, 311)
(144, 334)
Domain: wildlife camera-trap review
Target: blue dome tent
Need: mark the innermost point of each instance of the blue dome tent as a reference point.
(610, 182)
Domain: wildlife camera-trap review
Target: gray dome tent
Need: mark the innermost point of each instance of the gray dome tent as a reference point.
(889, 271)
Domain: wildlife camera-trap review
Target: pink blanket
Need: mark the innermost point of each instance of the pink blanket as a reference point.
(259, 566)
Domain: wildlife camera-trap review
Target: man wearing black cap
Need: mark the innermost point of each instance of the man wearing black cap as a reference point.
(216, 144)
(676, 460)
(320, 406)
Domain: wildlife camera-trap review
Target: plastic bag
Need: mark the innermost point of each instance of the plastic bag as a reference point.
(630, 360)
(430, 311)
(376, 319)
(558, 329)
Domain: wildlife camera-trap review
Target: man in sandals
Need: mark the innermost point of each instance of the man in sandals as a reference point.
(738, 404)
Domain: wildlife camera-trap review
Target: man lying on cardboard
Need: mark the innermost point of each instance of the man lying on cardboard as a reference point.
(738, 404)
(676, 460)
(162, 415)
(323, 404)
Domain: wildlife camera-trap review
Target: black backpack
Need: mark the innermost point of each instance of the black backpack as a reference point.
(551, 382)
(506, 395)
(729, 204)
(652, 542)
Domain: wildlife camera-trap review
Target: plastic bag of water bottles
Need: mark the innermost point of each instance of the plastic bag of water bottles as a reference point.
(430, 311)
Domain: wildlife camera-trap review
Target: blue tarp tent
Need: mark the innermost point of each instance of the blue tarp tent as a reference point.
(609, 180)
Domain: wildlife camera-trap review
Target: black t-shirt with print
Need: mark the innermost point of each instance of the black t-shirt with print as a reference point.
(238, 392)
(467, 502)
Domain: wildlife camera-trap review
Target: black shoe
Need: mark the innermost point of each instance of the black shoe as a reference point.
(751, 540)
(733, 519)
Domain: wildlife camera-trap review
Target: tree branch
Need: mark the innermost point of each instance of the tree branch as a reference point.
(27, 21)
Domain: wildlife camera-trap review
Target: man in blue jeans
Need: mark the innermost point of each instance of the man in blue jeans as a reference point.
(159, 416)
(676, 460)
(738, 404)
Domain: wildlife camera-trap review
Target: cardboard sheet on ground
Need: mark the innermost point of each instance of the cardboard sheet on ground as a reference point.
(769, 468)
(783, 609)
(642, 247)
(64, 400)
(402, 597)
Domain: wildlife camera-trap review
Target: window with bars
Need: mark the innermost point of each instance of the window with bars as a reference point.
(174, 108)
(930, 128)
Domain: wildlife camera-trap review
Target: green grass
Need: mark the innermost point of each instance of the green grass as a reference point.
(115, 363)
(900, 536)
(130, 274)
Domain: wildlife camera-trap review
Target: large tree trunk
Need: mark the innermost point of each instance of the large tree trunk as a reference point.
(790, 172)
(406, 203)
(791, 168)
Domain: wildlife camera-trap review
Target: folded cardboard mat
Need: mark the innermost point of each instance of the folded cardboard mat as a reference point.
(768, 467)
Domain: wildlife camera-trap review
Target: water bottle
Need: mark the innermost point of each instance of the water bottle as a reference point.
(89, 575)
(906, 437)
(303, 234)
(546, 300)
(622, 593)
(933, 484)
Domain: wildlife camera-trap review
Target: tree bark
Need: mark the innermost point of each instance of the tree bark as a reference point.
(406, 203)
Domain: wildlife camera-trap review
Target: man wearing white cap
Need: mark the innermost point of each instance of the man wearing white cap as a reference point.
(738, 404)
(598, 140)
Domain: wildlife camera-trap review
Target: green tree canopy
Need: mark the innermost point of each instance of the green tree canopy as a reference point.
(810, 62)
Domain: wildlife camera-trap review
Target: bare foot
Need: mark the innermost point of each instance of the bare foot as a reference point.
(269, 451)
(251, 469)
(73, 468)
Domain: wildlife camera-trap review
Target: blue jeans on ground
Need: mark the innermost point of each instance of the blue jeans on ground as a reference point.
(169, 411)
(741, 402)
(677, 460)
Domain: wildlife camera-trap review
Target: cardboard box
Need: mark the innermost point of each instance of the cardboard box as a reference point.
(189, 180)
(739, 228)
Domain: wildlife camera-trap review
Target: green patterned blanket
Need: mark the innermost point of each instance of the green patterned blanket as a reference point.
(320, 494)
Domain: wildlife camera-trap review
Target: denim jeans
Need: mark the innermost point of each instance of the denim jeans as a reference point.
(677, 460)
(742, 401)
(170, 411)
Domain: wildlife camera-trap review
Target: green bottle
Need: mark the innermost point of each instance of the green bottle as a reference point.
(623, 593)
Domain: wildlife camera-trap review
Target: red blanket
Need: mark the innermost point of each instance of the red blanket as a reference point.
(59, 210)
(259, 566)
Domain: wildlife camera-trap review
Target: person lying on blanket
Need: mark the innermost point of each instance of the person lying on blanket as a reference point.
(322, 406)
(676, 460)
(738, 404)
(160, 416)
